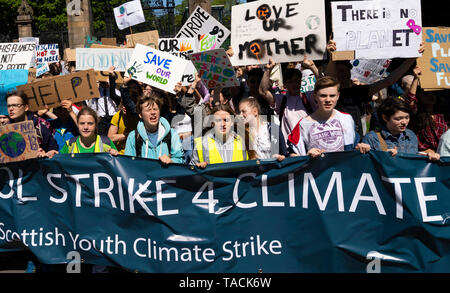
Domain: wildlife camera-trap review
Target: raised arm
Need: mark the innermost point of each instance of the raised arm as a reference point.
(266, 84)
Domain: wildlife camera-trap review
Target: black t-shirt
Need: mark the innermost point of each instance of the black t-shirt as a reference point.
(351, 100)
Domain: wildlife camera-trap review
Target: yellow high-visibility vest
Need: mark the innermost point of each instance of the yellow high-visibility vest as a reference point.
(239, 153)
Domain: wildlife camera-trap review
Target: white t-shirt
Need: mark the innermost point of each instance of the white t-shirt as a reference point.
(331, 135)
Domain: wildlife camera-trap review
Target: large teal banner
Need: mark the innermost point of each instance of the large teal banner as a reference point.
(344, 212)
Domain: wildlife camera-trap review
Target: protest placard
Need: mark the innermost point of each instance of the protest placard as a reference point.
(378, 29)
(10, 79)
(308, 83)
(209, 31)
(18, 142)
(31, 40)
(101, 59)
(129, 14)
(109, 41)
(215, 68)
(368, 71)
(158, 69)
(435, 60)
(31, 75)
(47, 53)
(78, 86)
(149, 39)
(181, 47)
(16, 55)
(282, 30)
(104, 76)
(70, 55)
(42, 68)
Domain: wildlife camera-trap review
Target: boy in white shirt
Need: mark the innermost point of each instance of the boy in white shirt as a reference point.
(325, 130)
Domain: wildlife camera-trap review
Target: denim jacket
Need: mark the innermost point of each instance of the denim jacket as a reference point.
(406, 142)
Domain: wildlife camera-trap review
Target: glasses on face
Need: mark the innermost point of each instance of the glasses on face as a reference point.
(15, 106)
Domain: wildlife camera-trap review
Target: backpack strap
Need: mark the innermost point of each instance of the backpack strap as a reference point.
(383, 144)
(282, 107)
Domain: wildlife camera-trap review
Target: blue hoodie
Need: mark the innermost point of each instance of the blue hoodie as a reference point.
(151, 152)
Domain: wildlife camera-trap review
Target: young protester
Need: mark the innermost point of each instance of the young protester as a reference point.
(326, 129)
(89, 141)
(293, 105)
(154, 138)
(4, 118)
(353, 96)
(17, 105)
(266, 138)
(394, 136)
(221, 144)
(122, 123)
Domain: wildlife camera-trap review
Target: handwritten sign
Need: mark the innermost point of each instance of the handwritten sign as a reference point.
(149, 39)
(378, 29)
(308, 83)
(42, 68)
(282, 30)
(16, 55)
(368, 71)
(102, 59)
(434, 62)
(47, 53)
(129, 14)
(18, 142)
(181, 47)
(31, 40)
(158, 69)
(215, 68)
(78, 86)
(209, 31)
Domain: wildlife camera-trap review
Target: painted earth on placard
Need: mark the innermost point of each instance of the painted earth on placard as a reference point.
(12, 144)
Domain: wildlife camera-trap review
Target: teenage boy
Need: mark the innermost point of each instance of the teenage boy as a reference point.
(326, 129)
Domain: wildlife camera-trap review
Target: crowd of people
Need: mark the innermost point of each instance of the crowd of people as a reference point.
(260, 119)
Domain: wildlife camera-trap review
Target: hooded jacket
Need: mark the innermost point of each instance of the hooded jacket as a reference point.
(154, 152)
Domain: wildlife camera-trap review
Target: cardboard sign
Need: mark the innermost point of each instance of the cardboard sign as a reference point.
(18, 142)
(215, 68)
(282, 30)
(102, 59)
(109, 41)
(149, 39)
(48, 53)
(129, 14)
(156, 68)
(78, 86)
(104, 76)
(31, 75)
(435, 62)
(380, 29)
(369, 71)
(70, 55)
(182, 48)
(206, 29)
(42, 68)
(16, 55)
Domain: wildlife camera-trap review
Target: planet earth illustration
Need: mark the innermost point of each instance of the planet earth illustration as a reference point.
(12, 144)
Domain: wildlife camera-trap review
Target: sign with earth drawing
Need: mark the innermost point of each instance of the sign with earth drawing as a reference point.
(18, 142)
(282, 30)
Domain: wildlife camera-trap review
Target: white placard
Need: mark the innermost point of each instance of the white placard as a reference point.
(16, 55)
(129, 14)
(100, 59)
(380, 29)
(181, 47)
(42, 68)
(47, 53)
(32, 40)
(209, 31)
(369, 71)
(282, 30)
(156, 68)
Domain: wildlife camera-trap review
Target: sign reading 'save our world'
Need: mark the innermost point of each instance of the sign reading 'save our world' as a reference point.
(156, 68)
(282, 30)
(378, 29)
